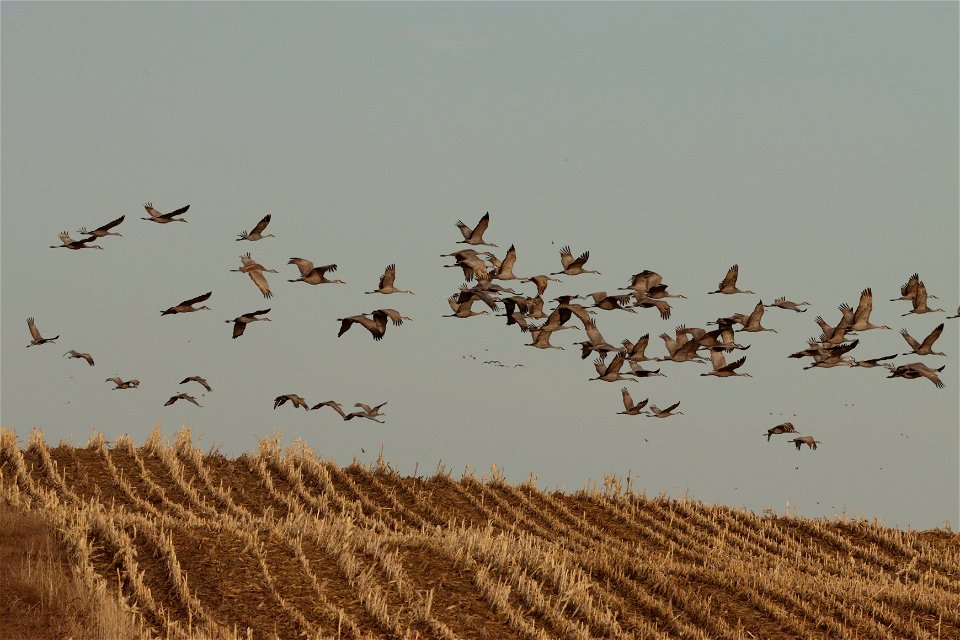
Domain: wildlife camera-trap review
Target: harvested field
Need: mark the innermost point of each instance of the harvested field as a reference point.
(283, 544)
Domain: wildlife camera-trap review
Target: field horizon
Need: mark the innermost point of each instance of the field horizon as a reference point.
(280, 543)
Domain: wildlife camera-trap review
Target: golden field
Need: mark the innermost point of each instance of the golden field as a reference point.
(112, 540)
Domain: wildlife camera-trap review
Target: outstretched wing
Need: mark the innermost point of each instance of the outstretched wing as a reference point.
(261, 282)
(264, 221)
(201, 298)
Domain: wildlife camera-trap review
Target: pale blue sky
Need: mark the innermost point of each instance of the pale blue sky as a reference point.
(815, 144)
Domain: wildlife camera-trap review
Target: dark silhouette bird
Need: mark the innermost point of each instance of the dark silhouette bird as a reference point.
(187, 305)
(76, 354)
(123, 384)
(240, 322)
(181, 396)
(786, 427)
(201, 381)
(257, 232)
(66, 242)
(103, 231)
(164, 218)
(35, 334)
(294, 399)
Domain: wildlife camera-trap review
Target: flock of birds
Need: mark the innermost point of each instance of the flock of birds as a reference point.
(483, 272)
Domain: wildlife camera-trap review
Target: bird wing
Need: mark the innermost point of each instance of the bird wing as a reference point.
(153, 213)
(932, 376)
(582, 260)
(593, 334)
(264, 221)
(920, 299)
(478, 230)
(730, 280)
(464, 229)
(566, 257)
(389, 274)
(627, 400)
(930, 339)
(755, 315)
(394, 316)
(33, 329)
(238, 328)
(193, 301)
(110, 225)
(506, 266)
(305, 266)
(733, 365)
(862, 314)
(910, 339)
(171, 401)
(174, 213)
(910, 286)
(321, 270)
(717, 359)
(87, 357)
(672, 407)
(261, 282)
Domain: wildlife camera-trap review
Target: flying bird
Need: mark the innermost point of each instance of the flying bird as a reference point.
(631, 408)
(76, 354)
(783, 303)
(294, 399)
(924, 348)
(199, 380)
(164, 218)
(376, 324)
(313, 275)
(69, 243)
(656, 412)
(240, 322)
(571, 266)
(720, 367)
(187, 305)
(386, 282)
(807, 440)
(786, 427)
(861, 317)
(257, 233)
(123, 384)
(474, 236)
(916, 370)
(37, 338)
(729, 283)
(256, 270)
(920, 301)
(182, 396)
(103, 231)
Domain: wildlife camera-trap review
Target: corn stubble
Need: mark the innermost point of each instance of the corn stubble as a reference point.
(163, 541)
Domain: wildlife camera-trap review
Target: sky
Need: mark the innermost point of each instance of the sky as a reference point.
(813, 144)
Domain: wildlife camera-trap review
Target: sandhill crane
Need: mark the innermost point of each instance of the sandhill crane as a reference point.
(474, 236)
(333, 404)
(541, 282)
(370, 412)
(257, 233)
(656, 412)
(610, 303)
(926, 347)
(872, 362)
(123, 384)
(640, 372)
(783, 303)
(462, 303)
(635, 351)
(594, 341)
(386, 282)
(240, 322)
(631, 409)
(76, 354)
(642, 282)
(807, 440)
(720, 338)
(256, 270)
(69, 243)
(659, 291)
(736, 318)
(314, 275)
(611, 372)
(956, 316)
(720, 367)
(729, 283)
(920, 301)
(473, 267)
(916, 370)
(187, 305)
(503, 269)
(164, 218)
(642, 300)
(294, 399)
(753, 320)
(909, 289)
(541, 337)
(182, 396)
(838, 334)
(835, 356)
(861, 317)
(37, 338)
(376, 324)
(686, 352)
(571, 266)
(103, 231)
(201, 381)
(786, 427)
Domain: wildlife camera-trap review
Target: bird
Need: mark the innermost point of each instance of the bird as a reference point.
(257, 232)
(660, 291)
(182, 396)
(333, 404)
(386, 281)
(686, 352)
(807, 440)
(187, 305)
(571, 266)
(920, 301)
(255, 270)
(69, 243)
(164, 218)
(656, 412)
(472, 265)
(729, 283)
(640, 372)
(918, 370)
(197, 379)
(635, 350)
(909, 289)
(834, 356)
(861, 317)
(611, 372)
(103, 231)
(123, 384)
(642, 282)
(240, 322)
(602, 301)
(644, 301)
(631, 409)
(462, 303)
(76, 354)
(783, 303)
(594, 341)
(753, 320)
(37, 338)
(371, 411)
(873, 362)
(786, 427)
(541, 337)
(376, 324)
(313, 275)
(541, 282)
(474, 236)
(503, 269)
(294, 399)
(956, 316)
(720, 367)
(924, 348)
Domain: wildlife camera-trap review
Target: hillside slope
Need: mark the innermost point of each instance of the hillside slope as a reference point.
(285, 544)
